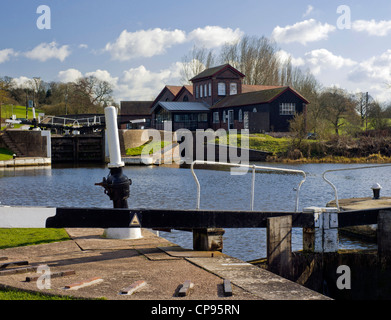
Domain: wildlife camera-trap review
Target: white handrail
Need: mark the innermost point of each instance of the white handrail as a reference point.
(346, 169)
(254, 167)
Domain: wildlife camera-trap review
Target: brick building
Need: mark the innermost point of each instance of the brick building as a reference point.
(218, 99)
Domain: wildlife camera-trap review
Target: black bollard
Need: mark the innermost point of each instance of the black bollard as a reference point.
(116, 186)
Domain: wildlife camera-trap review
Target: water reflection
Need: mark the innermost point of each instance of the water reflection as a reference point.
(163, 187)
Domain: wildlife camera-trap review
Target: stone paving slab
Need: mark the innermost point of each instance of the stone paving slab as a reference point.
(120, 263)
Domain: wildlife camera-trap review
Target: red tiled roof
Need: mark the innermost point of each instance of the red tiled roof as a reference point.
(174, 89)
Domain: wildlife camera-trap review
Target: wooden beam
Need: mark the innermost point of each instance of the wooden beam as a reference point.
(13, 263)
(279, 245)
(52, 275)
(384, 234)
(172, 219)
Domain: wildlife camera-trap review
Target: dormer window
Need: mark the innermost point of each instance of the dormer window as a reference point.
(221, 89)
(233, 88)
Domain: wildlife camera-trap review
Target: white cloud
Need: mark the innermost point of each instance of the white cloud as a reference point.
(214, 36)
(70, 75)
(372, 27)
(321, 59)
(284, 56)
(148, 43)
(22, 82)
(6, 54)
(103, 75)
(308, 11)
(303, 32)
(142, 84)
(376, 69)
(83, 46)
(144, 43)
(45, 51)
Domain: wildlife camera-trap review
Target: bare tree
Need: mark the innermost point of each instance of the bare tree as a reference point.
(196, 61)
(90, 93)
(254, 57)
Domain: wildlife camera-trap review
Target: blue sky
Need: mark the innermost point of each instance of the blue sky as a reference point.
(138, 45)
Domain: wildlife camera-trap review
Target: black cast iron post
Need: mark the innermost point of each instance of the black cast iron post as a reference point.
(116, 184)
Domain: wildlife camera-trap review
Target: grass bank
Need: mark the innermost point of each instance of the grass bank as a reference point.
(5, 154)
(149, 147)
(17, 237)
(257, 141)
(342, 149)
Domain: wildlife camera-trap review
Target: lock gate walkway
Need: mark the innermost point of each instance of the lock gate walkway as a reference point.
(110, 265)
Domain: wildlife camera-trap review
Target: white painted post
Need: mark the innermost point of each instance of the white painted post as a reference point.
(113, 138)
(326, 229)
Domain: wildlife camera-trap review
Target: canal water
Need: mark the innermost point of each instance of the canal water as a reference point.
(173, 188)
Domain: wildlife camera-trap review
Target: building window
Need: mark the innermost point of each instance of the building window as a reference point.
(240, 116)
(221, 89)
(197, 92)
(210, 89)
(287, 109)
(233, 88)
(216, 117)
(224, 117)
(255, 109)
(205, 90)
(202, 117)
(185, 98)
(201, 91)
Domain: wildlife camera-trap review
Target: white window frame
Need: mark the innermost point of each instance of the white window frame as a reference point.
(216, 117)
(233, 88)
(287, 109)
(221, 89)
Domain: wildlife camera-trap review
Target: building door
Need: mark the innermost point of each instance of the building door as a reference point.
(230, 119)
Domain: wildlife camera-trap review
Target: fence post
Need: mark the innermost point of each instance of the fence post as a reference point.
(324, 237)
(210, 239)
(384, 234)
(279, 245)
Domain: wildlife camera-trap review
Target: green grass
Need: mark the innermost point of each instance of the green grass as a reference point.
(150, 147)
(19, 111)
(17, 237)
(260, 142)
(13, 294)
(5, 154)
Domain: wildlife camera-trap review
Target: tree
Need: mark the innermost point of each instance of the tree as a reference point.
(4, 96)
(196, 61)
(90, 94)
(336, 105)
(298, 129)
(254, 57)
(376, 116)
